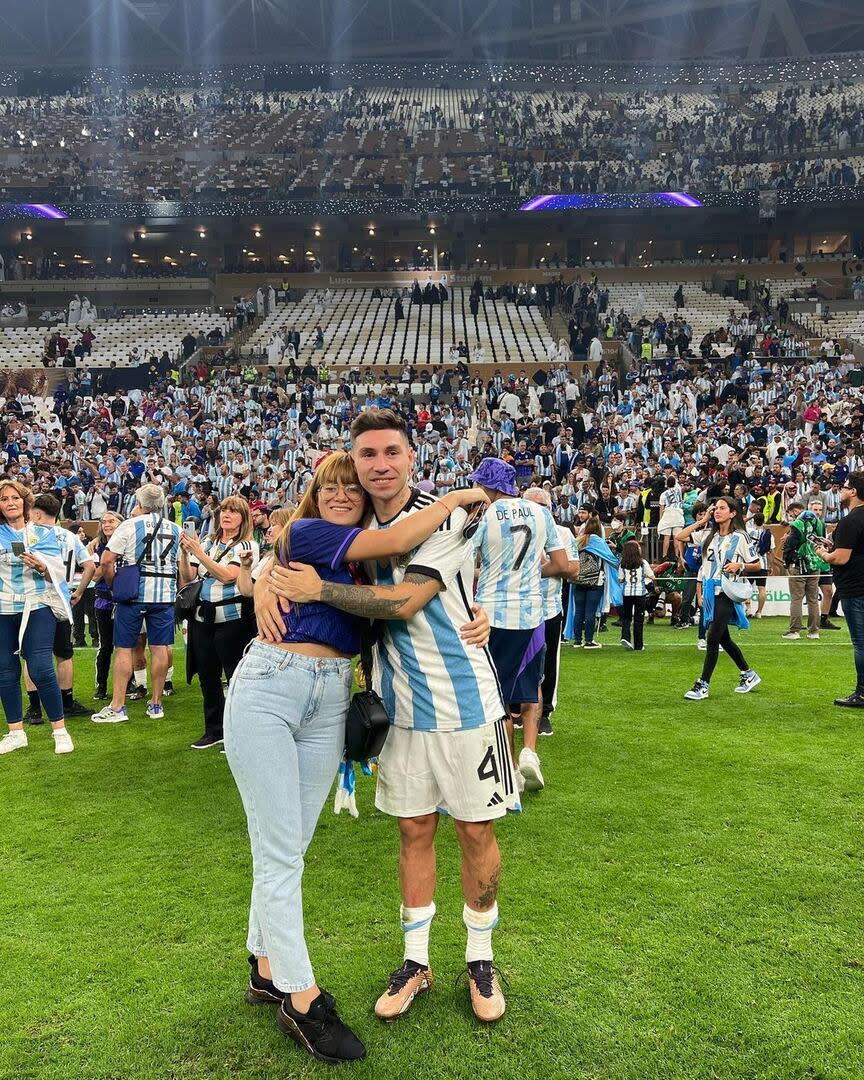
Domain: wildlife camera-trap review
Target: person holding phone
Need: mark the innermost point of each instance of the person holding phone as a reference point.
(221, 626)
(726, 550)
(31, 595)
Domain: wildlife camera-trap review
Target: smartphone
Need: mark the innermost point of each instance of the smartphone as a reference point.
(189, 527)
(18, 548)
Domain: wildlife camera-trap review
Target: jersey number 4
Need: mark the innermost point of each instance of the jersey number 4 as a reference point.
(520, 558)
(488, 767)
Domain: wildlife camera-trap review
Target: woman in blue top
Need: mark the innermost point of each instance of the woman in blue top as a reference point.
(32, 589)
(285, 734)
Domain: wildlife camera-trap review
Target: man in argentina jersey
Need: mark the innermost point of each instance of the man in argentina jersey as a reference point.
(447, 748)
(46, 509)
(552, 589)
(153, 542)
(513, 539)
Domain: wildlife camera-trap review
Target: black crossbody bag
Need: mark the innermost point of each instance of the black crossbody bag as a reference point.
(367, 722)
(189, 596)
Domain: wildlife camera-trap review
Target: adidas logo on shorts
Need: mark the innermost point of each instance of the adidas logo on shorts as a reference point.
(495, 800)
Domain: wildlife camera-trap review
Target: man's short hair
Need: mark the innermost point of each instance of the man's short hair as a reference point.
(150, 497)
(855, 480)
(48, 504)
(378, 420)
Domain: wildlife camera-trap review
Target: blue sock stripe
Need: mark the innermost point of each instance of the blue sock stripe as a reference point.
(416, 925)
(482, 929)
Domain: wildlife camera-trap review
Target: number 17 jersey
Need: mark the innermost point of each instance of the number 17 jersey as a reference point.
(511, 539)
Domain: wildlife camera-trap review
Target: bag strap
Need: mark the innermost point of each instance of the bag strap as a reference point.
(367, 637)
(148, 546)
(219, 557)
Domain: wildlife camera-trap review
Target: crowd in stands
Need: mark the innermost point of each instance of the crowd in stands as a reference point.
(105, 142)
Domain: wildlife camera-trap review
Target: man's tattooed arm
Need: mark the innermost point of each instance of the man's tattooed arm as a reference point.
(375, 601)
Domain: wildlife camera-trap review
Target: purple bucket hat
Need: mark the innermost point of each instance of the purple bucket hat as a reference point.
(496, 474)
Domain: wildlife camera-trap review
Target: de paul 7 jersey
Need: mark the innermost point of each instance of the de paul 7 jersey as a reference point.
(511, 540)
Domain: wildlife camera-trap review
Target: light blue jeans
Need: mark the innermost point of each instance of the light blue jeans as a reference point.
(284, 737)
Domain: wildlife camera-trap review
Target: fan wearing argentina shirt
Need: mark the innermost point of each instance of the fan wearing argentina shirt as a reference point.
(447, 749)
(152, 542)
(512, 541)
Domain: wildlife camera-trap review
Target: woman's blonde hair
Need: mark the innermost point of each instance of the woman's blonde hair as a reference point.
(240, 506)
(23, 491)
(281, 516)
(336, 468)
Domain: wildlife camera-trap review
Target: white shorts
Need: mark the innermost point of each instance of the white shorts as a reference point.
(466, 774)
(671, 523)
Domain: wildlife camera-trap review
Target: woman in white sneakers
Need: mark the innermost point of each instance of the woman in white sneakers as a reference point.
(726, 552)
(33, 594)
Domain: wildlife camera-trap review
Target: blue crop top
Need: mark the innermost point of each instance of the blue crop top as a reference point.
(323, 546)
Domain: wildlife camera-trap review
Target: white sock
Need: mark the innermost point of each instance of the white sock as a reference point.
(479, 925)
(416, 923)
(59, 731)
(140, 678)
(170, 676)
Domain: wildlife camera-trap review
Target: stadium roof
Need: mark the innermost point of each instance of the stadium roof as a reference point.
(214, 33)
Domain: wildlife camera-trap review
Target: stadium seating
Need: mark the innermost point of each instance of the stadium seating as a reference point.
(360, 329)
(23, 347)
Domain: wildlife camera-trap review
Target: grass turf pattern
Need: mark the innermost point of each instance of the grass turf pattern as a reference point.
(683, 901)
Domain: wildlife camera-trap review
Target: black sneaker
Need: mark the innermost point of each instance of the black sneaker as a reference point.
(826, 624)
(206, 741)
(545, 726)
(34, 716)
(100, 693)
(854, 701)
(517, 721)
(168, 689)
(261, 991)
(75, 708)
(137, 693)
(320, 1031)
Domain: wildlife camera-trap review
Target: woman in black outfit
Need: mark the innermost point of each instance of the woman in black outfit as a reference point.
(222, 624)
(104, 607)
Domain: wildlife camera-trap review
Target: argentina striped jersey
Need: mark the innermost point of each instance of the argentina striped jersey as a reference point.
(511, 541)
(158, 583)
(551, 587)
(18, 581)
(225, 597)
(428, 678)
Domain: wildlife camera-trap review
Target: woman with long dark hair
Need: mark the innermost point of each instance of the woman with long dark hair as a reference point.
(285, 734)
(727, 551)
(104, 606)
(594, 589)
(634, 574)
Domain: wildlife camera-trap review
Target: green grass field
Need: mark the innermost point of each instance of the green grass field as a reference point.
(683, 901)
